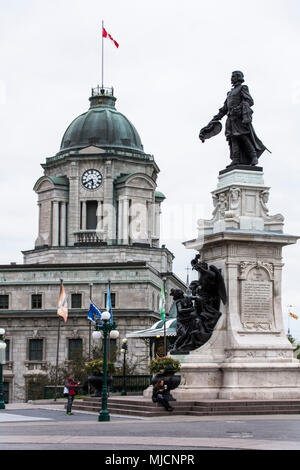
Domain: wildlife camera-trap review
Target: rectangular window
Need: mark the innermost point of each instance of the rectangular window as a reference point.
(4, 301)
(5, 392)
(35, 350)
(7, 350)
(75, 349)
(36, 301)
(76, 300)
(113, 299)
(91, 215)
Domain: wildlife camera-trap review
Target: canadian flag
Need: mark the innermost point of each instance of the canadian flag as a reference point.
(105, 34)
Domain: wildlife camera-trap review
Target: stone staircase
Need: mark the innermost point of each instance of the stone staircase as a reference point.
(143, 407)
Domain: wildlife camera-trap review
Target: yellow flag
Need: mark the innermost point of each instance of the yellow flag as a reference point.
(293, 316)
(62, 309)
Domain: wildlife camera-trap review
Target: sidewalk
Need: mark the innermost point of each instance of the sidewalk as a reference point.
(45, 426)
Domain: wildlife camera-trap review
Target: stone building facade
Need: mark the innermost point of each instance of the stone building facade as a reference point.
(99, 221)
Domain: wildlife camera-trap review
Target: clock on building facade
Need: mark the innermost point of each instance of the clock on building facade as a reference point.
(91, 179)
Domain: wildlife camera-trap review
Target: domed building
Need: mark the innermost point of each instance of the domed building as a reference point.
(99, 223)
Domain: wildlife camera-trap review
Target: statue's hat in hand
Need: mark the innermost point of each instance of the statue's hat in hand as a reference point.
(212, 129)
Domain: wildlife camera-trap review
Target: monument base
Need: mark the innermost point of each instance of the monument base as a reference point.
(239, 382)
(249, 356)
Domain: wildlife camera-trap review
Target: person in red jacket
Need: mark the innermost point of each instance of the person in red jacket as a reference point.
(71, 385)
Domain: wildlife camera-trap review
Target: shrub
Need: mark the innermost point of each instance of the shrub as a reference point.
(95, 367)
(162, 364)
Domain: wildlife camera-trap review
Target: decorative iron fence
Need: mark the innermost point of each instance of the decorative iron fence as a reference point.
(134, 383)
(49, 391)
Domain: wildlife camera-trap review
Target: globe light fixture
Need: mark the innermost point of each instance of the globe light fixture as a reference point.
(114, 334)
(97, 335)
(105, 316)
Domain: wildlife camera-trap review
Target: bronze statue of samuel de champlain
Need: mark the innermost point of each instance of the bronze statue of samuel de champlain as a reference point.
(245, 146)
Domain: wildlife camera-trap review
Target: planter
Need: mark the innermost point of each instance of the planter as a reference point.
(171, 380)
(96, 381)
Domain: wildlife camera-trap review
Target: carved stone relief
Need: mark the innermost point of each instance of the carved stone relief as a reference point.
(274, 219)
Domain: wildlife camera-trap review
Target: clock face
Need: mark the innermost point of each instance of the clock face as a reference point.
(91, 179)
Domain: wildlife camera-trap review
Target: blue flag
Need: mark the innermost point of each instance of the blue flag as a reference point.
(108, 305)
(94, 313)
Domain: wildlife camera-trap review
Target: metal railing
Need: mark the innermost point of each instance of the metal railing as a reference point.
(98, 91)
(134, 383)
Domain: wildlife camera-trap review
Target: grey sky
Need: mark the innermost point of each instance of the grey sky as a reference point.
(171, 74)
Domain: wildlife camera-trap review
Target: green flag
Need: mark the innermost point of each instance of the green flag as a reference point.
(162, 303)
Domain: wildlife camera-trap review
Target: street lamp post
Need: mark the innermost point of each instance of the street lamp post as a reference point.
(124, 351)
(107, 328)
(2, 361)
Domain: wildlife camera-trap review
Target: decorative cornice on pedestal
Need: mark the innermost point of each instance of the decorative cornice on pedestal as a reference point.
(242, 236)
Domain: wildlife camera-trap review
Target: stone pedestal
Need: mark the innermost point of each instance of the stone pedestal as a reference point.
(249, 355)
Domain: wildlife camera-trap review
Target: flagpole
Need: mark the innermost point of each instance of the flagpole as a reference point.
(57, 349)
(90, 323)
(289, 310)
(165, 336)
(108, 337)
(102, 53)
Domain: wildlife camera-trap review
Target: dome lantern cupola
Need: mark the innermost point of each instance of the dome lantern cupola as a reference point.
(102, 97)
(103, 126)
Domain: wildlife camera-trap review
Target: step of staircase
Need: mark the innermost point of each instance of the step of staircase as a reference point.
(140, 406)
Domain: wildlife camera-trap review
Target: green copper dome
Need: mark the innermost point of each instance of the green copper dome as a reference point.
(102, 126)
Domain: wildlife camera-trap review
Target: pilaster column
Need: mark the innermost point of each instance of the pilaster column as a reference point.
(109, 222)
(150, 221)
(55, 223)
(63, 224)
(83, 216)
(100, 216)
(120, 221)
(74, 207)
(157, 221)
(125, 225)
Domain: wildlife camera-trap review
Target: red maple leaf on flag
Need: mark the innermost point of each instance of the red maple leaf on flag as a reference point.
(105, 34)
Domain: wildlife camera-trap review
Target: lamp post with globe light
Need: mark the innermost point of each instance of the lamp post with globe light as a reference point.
(106, 328)
(124, 351)
(2, 361)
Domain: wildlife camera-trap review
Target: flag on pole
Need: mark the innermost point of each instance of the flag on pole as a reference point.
(109, 305)
(294, 316)
(62, 309)
(105, 34)
(94, 313)
(162, 303)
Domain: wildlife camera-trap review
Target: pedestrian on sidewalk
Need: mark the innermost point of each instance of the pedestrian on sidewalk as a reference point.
(159, 395)
(72, 386)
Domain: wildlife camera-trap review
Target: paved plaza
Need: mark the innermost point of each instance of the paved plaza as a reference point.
(41, 426)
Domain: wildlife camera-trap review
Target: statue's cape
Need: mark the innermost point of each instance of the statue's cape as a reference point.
(259, 146)
(221, 289)
(212, 129)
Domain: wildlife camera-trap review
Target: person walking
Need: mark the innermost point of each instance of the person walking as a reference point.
(159, 395)
(71, 385)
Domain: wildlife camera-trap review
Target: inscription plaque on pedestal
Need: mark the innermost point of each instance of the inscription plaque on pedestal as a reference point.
(257, 300)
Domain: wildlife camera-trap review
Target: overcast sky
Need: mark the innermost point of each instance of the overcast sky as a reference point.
(171, 74)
